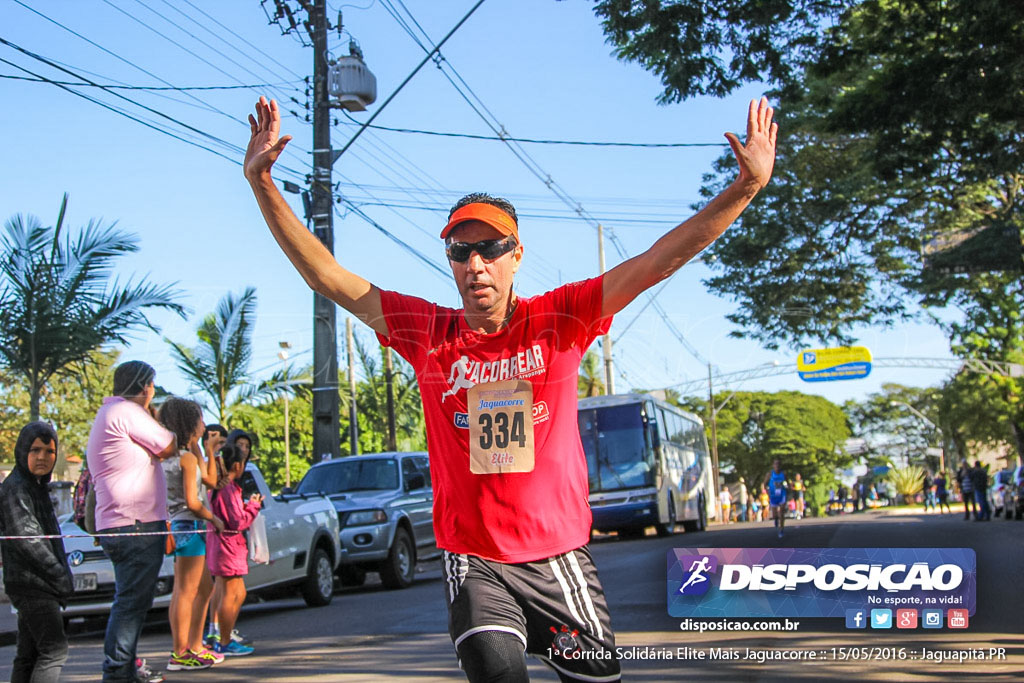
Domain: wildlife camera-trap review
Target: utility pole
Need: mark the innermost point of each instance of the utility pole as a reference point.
(389, 377)
(606, 341)
(353, 425)
(326, 428)
(714, 438)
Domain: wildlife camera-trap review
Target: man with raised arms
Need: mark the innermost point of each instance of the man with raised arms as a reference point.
(498, 381)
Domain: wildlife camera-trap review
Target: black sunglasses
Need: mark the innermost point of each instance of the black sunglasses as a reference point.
(488, 249)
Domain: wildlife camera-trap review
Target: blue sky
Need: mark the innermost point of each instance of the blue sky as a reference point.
(541, 67)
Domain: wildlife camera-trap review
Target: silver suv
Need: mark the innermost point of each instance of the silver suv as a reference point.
(385, 508)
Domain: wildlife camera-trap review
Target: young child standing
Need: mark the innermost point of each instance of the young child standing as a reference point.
(227, 553)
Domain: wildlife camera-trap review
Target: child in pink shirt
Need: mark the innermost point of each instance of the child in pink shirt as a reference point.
(227, 553)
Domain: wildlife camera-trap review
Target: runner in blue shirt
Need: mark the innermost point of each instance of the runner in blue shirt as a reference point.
(776, 483)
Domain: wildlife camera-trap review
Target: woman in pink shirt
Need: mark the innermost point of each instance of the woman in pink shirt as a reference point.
(227, 553)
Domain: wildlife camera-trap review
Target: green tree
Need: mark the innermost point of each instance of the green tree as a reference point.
(891, 149)
(806, 432)
(265, 419)
(371, 404)
(218, 366)
(59, 301)
(591, 376)
(892, 432)
(711, 48)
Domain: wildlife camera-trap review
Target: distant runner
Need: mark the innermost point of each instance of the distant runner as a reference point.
(776, 483)
(510, 506)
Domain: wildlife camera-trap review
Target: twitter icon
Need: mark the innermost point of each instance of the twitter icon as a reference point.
(881, 618)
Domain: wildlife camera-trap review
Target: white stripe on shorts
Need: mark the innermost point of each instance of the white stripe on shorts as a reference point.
(456, 567)
(566, 590)
(588, 604)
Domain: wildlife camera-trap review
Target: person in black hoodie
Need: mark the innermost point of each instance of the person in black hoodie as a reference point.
(36, 573)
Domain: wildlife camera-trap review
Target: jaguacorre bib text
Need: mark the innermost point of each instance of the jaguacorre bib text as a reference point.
(500, 427)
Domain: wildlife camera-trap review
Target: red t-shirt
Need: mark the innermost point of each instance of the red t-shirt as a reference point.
(508, 517)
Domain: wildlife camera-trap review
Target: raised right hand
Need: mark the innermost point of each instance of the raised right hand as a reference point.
(264, 145)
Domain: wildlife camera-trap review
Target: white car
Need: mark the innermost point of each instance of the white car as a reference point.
(302, 535)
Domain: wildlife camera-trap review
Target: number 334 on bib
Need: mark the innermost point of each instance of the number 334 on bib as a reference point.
(501, 427)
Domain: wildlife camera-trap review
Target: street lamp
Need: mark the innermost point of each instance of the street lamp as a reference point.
(942, 439)
(283, 355)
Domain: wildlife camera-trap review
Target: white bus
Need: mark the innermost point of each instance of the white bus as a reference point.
(648, 465)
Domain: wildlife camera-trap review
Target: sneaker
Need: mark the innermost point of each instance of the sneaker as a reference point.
(780, 533)
(187, 661)
(208, 655)
(232, 649)
(239, 638)
(144, 674)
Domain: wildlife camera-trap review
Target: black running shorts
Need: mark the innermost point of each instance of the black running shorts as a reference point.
(556, 607)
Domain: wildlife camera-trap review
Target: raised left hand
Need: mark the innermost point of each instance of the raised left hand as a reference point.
(756, 158)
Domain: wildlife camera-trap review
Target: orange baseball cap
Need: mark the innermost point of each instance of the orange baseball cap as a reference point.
(485, 213)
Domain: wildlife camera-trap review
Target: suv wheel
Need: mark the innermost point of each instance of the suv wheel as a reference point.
(397, 571)
(318, 588)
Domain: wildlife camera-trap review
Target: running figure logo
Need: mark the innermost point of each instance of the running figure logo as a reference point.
(699, 566)
(458, 378)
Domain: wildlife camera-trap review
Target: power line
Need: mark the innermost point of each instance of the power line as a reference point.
(247, 42)
(149, 88)
(537, 141)
(410, 76)
(495, 125)
(201, 102)
(397, 240)
(122, 113)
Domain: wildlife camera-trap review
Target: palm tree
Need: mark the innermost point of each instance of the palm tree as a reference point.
(59, 301)
(591, 376)
(218, 365)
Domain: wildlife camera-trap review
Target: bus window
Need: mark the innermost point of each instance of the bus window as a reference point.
(619, 455)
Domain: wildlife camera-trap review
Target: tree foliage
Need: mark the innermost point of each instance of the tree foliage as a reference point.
(371, 404)
(59, 301)
(591, 376)
(891, 148)
(806, 432)
(698, 47)
(218, 365)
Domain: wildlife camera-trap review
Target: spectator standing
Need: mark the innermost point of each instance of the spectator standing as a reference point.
(843, 492)
(979, 479)
(188, 475)
(125, 448)
(965, 480)
(242, 440)
(744, 502)
(927, 491)
(798, 495)
(227, 552)
(37, 578)
(725, 499)
(941, 492)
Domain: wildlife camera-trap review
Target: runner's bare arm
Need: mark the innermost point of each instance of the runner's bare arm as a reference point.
(756, 158)
(315, 263)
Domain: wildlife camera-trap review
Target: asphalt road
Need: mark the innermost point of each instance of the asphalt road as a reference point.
(372, 634)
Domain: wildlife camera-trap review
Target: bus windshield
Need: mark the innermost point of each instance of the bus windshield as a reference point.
(618, 455)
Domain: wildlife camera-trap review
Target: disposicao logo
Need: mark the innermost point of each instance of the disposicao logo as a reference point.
(817, 582)
(697, 581)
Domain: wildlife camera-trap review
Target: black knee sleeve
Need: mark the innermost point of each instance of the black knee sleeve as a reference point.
(493, 657)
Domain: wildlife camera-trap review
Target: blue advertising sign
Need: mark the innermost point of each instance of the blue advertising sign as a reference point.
(828, 365)
(819, 582)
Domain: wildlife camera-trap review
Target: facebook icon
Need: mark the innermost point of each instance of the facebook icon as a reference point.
(856, 618)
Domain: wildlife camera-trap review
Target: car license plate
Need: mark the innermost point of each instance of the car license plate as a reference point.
(85, 582)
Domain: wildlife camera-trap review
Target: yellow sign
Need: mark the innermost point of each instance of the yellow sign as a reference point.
(841, 362)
